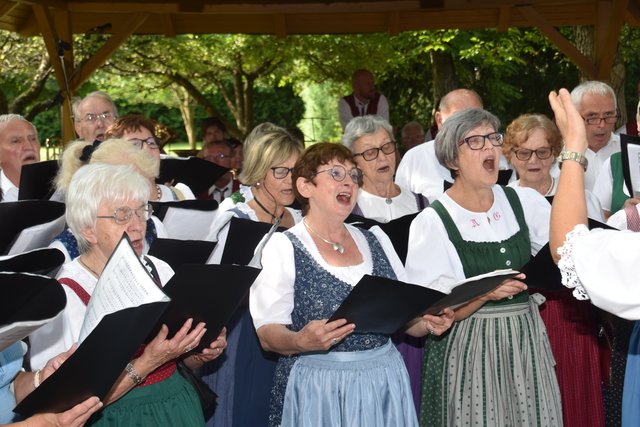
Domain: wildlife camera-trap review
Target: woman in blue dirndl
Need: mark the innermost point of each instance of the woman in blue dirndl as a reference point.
(331, 376)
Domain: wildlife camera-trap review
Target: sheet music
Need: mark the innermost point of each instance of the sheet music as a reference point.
(633, 151)
(124, 283)
(38, 236)
(188, 224)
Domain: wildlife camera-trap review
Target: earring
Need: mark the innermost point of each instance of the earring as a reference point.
(258, 184)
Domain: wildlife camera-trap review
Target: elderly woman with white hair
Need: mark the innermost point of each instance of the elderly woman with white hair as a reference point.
(370, 139)
(103, 202)
(494, 367)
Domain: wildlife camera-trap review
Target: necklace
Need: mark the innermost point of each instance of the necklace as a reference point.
(274, 218)
(158, 192)
(551, 186)
(88, 268)
(337, 246)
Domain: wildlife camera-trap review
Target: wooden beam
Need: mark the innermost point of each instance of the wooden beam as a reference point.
(558, 39)
(607, 43)
(102, 55)
(6, 7)
(504, 19)
(169, 27)
(280, 25)
(633, 14)
(394, 24)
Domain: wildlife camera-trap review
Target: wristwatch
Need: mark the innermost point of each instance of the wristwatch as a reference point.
(575, 156)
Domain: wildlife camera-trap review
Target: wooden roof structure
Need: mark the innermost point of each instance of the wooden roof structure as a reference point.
(59, 19)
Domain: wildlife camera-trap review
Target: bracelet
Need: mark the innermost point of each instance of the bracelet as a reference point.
(574, 156)
(36, 379)
(131, 373)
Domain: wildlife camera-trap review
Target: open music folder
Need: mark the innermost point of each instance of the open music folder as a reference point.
(380, 305)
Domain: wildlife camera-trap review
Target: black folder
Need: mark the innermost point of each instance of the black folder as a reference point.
(177, 252)
(198, 174)
(397, 230)
(37, 180)
(44, 261)
(160, 208)
(97, 363)
(28, 302)
(18, 216)
(380, 305)
(542, 272)
(243, 238)
(625, 140)
(208, 293)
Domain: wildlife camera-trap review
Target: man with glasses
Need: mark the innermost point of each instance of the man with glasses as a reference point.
(19, 146)
(220, 153)
(596, 103)
(92, 115)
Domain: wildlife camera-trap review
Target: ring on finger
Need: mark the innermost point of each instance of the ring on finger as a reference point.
(187, 349)
(334, 341)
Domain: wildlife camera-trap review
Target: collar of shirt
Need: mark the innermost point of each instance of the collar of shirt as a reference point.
(9, 191)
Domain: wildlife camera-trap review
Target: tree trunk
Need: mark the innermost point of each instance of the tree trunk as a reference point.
(34, 90)
(585, 42)
(186, 111)
(443, 74)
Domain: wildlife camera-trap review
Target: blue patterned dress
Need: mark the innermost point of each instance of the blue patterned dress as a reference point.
(360, 381)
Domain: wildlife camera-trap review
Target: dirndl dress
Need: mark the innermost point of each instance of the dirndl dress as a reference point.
(362, 381)
(494, 368)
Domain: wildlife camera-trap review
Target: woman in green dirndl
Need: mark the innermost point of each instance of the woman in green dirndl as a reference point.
(494, 367)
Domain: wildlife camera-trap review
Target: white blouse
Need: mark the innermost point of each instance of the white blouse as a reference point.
(602, 265)
(62, 332)
(378, 209)
(272, 296)
(433, 261)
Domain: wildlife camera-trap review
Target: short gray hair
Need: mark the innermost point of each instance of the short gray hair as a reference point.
(6, 118)
(77, 102)
(364, 125)
(592, 87)
(454, 130)
(95, 183)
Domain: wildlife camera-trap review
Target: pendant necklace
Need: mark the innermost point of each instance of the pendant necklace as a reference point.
(84, 264)
(274, 218)
(337, 246)
(388, 200)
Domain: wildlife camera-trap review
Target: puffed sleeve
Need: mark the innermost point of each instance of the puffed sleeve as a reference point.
(432, 260)
(537, 214)
(271, 296)
(602, 265)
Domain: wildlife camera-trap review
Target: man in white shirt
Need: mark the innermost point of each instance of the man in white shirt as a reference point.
(220, 153)
(364, 99)
(92, 115)
(596, 102)
(19, 146)
(419, 170)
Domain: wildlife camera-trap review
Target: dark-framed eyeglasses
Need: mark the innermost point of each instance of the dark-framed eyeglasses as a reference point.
(152, 142)
(372, 153)
(339, 173)
(476, 142)
(281, 172)
(525, 154)
(107, 116)
(123, 215)
(609, 118)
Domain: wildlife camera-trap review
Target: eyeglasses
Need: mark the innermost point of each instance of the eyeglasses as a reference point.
(339, 173)
(151, 142)
(92, 117)
(218, 156)
(280, 172)
(609, 118)
(525, 154)
(124, 214)
(372, 153)
(476, 142)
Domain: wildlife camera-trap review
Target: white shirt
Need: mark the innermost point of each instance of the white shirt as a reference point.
(220, 194)
(619, 219)
(602, 265)
(421, 172)
(597, 162)
(594, 209)
(433, 261)
(272, 298)
(603, 187)
(377, 208)
(344, 110)
(9, 191)
(62, 332)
